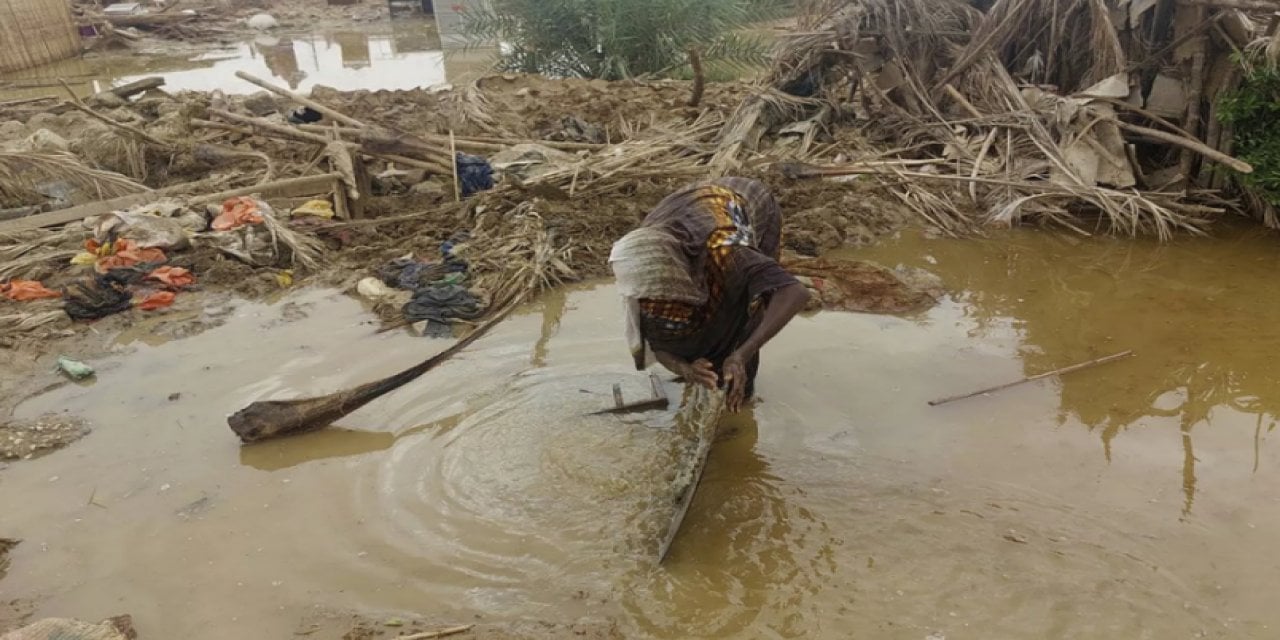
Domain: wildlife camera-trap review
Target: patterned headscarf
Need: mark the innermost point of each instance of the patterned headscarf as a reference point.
(650, 265)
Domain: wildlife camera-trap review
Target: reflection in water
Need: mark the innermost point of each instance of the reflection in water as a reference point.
(281, 59)
(1193, 311)
(554, 304)
(346, 61)
(407, 57)
(333, 442)
(741, 533)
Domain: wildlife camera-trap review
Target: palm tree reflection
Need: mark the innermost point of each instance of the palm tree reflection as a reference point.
(1195, 311)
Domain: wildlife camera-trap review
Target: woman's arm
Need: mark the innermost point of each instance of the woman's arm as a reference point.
(699, 371)
(783, 305)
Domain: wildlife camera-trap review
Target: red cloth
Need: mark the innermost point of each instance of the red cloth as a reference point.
(176, 277)
(157, 300)
(237, 212)
(124, 254)
(24, 290)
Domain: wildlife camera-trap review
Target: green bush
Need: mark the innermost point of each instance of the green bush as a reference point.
(615, 39)
(1253, 111)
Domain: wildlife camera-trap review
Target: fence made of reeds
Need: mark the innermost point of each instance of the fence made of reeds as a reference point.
(36, 32)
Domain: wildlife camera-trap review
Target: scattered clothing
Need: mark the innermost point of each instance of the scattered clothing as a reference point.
(122, 254)
(176, 277)
(442, 304)
(474, 174)
(157, 300)
(96, 298)
(27, 290)
(237, 212)
(409, 274)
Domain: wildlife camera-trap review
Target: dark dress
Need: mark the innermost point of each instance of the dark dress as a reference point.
(731, 232)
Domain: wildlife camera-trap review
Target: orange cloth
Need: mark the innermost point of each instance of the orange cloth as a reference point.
(24, 290)
(237, 212)
(157, 300)
(173, 276)
(123, 254)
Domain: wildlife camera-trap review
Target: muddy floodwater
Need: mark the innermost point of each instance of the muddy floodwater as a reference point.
(1140, 499)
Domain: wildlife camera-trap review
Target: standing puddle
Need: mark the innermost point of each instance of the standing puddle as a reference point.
(1134, 500)
(401, 54)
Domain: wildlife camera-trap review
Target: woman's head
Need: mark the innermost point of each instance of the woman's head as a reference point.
(649, 264)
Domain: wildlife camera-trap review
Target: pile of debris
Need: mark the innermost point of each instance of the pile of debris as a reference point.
(998, 112)
(285, 183)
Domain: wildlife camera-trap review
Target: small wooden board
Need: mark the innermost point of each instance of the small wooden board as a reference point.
(658, 401)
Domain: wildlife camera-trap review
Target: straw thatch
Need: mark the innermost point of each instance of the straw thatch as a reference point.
(36, 32)
(1071, 111)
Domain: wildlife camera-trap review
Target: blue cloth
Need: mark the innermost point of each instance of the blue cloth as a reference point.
(474, 174)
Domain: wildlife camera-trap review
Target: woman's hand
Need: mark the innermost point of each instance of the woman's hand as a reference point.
(701, 372)
(735, 380)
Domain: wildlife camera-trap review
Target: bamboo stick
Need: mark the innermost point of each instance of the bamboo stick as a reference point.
(131, 130)
(300, 99)
(430, 635)
(453, 155)
(296, 133)
(1047, 374)
(1189, 145)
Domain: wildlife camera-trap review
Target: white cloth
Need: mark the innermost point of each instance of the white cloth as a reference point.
(648, 264)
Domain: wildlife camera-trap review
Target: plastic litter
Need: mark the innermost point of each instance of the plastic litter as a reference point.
(373, 289)
(157, 300)
(143, 230)
(176, 277)
(262, 22)
(123, 253)
(26, 290)
(315, 208)
(237, 212)
(526, 161)
(74, 369)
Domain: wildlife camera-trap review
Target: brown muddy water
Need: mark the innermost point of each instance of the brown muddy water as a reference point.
(1136, 500)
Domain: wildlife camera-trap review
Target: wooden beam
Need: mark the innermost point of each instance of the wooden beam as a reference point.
(307, 185)
(131, 89)
(1243, 5)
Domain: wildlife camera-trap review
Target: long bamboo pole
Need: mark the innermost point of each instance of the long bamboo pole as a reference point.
(1042, 376)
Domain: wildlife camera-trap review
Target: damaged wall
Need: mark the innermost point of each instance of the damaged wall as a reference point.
(36, 32)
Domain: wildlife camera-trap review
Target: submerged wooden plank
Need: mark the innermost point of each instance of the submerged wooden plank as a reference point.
(698, 416)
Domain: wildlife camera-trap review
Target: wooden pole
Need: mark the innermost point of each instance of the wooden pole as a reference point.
(1195, 95)
(1047, 374)
(453, 157)
(300, 99)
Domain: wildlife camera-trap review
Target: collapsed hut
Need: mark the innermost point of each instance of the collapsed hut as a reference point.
(36, 32)
(999, 112)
